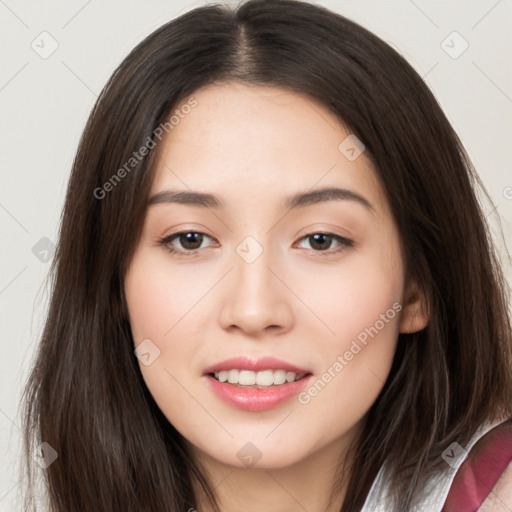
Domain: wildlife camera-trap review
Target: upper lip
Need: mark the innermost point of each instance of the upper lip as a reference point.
(255, 365)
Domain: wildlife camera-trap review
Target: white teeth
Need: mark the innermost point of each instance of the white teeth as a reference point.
(233, 376)
(246, 378)
(264, 378)
(290, 377)
(279, 377)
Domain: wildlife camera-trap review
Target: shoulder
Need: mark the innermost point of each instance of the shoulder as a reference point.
(481, 481)
(484, 481)
(500, 498)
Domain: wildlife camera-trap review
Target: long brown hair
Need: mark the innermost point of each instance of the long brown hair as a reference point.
(86, 397)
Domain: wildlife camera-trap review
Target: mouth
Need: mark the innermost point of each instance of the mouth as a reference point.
(256, 385)
(261, 380)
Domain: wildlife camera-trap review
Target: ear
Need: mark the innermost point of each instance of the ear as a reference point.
(415, 315)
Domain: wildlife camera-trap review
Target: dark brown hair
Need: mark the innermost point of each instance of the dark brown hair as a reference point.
(86, 397)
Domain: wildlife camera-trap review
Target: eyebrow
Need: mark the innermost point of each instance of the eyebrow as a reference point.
(302, 199)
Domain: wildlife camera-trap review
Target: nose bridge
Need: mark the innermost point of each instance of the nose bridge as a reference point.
(252, 274)
(257, 299)
(251, 266)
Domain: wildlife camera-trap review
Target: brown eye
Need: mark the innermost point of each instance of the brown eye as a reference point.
(323, 242)
(190, 240)
(185, 242)
(320, 241)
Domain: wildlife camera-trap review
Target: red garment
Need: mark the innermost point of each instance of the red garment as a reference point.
(478, 474)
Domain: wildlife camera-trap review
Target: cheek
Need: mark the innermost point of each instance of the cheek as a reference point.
(362, 309)
(158, 308)
(165, 307)
(355, 295)
(157, 303)
(355, 362)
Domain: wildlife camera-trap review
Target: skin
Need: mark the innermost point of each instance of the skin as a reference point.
(500, 498)
(253, 147)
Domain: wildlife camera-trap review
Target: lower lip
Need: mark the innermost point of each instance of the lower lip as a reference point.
(256, 399)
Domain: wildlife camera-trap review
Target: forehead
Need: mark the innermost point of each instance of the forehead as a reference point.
(242, 141)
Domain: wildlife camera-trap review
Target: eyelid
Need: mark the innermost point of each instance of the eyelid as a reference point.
(343, 241)
(167, 239)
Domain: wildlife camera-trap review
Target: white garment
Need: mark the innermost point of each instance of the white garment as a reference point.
(437, 488)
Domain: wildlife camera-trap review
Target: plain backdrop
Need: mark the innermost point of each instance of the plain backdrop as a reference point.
(57, 56)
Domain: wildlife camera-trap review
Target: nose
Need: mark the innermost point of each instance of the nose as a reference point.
(256, 299)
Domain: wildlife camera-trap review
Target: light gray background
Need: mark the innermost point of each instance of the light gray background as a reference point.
(45, 103)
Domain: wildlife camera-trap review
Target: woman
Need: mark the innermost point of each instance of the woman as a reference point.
(339, 338)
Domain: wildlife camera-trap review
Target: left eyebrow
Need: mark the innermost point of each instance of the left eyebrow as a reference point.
(326, 194)
(299, 200)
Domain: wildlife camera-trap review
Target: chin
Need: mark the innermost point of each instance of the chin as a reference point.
(249, 451)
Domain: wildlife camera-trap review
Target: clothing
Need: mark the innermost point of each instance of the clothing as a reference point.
(438, 487)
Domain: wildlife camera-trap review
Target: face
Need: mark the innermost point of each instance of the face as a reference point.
(312, 286)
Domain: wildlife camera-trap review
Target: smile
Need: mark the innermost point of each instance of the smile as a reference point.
(265, 378)
(256, 385)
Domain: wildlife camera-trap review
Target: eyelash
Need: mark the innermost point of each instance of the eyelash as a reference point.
(344, 243)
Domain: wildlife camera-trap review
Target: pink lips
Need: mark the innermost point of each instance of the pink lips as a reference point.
(255, 365)
(255, 399)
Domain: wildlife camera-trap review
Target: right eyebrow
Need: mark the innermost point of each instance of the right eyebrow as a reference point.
(192, 198)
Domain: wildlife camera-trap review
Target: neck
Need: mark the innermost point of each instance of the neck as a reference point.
(304, 486)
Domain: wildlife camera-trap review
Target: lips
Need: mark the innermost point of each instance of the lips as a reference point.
(255, 365)
(251, 398)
